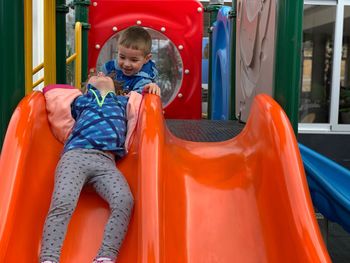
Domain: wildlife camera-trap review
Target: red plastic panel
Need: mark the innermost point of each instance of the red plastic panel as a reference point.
(182, 21)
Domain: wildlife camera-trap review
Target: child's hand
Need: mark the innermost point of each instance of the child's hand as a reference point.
(152, 88)
(92, 72)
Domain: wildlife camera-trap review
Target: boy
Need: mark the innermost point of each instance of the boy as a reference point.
(89, 158)
(133, 68)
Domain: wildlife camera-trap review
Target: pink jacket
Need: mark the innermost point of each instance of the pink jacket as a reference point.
(58, 105)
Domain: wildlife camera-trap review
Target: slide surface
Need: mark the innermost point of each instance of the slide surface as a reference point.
(329, 185)
(241, 200)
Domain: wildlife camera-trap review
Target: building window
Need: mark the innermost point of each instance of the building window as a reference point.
(344, 99)
(318, 35)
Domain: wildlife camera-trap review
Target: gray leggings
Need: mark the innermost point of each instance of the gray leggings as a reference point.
(75, 169)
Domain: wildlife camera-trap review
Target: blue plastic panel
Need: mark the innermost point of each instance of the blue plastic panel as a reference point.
(205, 51)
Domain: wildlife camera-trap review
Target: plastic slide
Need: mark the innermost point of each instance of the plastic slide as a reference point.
(240, 200)
(221, 64)
(329, 185)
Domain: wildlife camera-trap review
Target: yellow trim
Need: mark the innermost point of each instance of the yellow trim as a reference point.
(38, 68)
(49, 42)
(78, 57)
(28, 45)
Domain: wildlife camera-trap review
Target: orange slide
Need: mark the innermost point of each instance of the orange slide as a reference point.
(241, 200)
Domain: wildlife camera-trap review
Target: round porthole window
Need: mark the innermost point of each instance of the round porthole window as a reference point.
(166, 57)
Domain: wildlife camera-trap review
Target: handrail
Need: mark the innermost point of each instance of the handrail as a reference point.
(28, 45)
(50, 42)
(76, 56)
(78, 50)
(71, 58)
(38, 68)
(36, 83)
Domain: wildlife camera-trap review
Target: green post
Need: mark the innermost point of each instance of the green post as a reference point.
(61, 11)
(233, 16)
(288, 57)
(82, 15)
(12, 83)
(212, 9)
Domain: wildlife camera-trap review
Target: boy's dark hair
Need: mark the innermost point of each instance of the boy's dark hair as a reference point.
(136, 37)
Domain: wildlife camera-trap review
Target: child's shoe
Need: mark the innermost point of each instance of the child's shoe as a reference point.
(103, 260)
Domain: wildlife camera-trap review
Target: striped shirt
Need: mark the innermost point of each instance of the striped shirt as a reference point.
(100, 122)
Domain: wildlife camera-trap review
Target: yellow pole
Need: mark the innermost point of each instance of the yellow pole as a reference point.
(49, 42)
(79, 55)
(28, 45)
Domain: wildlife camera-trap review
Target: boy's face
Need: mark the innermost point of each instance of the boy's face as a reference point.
(131, 60)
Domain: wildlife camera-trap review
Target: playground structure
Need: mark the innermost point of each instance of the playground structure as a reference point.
(258, 174)
(328, 181)
(222, 93)
(184, 31)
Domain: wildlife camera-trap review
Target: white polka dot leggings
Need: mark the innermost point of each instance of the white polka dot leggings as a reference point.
(75, 169)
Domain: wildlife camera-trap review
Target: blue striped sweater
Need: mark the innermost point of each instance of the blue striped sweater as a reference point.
(100, 122)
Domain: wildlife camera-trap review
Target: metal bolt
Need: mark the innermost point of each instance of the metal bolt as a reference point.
(181, 47)
(199, 9)
(97, 46)
(163, 29)
(138, 22)
(115, 29)
(94, 3)
(187, 71)
(179, 95)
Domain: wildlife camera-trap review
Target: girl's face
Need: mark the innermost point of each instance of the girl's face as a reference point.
(131, 60)
(101, 82)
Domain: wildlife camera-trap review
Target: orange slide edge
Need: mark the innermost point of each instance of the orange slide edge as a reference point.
(245, 199)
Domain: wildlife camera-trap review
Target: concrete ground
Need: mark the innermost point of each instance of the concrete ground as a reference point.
(336, 239)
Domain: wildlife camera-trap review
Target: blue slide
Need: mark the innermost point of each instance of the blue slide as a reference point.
(329, 185)
(221, 66)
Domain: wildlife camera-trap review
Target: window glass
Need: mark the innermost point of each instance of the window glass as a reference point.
(344, 100)
(164, 54)
(317, 57)
(70, 46)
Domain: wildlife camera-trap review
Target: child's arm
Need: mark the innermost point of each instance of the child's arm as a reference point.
(152, 72)
(78, 104)
(141, 84)
(109, 67)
